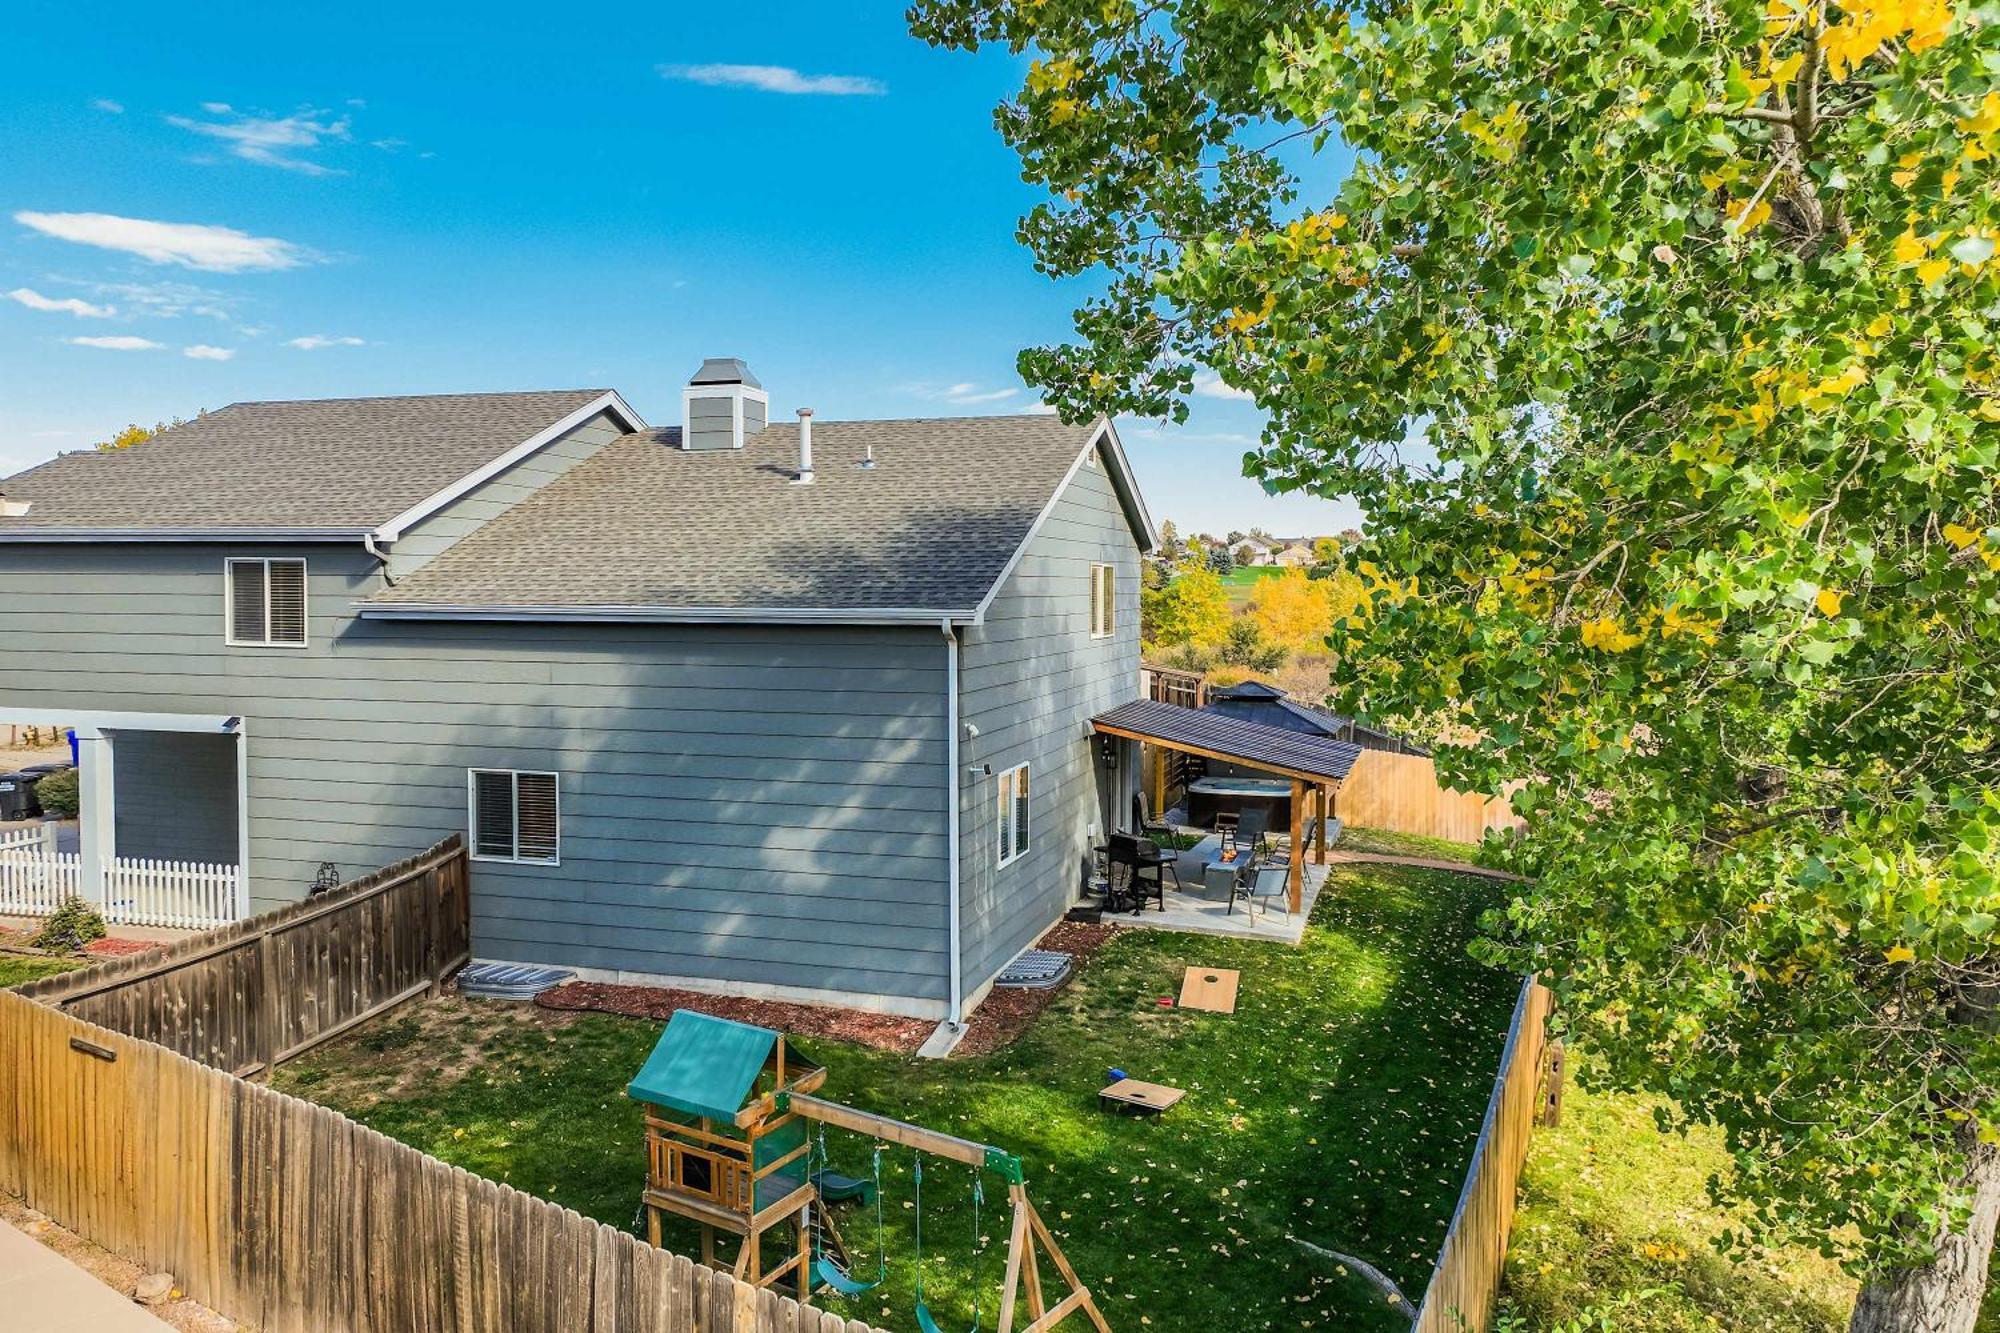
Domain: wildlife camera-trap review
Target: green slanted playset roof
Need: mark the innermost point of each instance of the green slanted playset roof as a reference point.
(704, 1066)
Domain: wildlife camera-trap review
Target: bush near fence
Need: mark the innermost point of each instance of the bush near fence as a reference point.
(287, 1215)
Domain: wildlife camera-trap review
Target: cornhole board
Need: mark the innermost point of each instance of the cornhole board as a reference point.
(1210, 988)
(1130, 1094)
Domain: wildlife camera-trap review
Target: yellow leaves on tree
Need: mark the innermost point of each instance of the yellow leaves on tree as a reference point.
(1745, 217)
(1828, 601)
(1499, 134)
(1607, 634)
(1866, 26)
(1299, 611)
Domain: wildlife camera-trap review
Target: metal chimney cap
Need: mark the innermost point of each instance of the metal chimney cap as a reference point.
(805, 412)
(726, 370)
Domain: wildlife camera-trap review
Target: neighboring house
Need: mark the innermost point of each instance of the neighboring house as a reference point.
(797, 710)
(1295, 555)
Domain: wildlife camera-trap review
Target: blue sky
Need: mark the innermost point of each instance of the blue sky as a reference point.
(291, 201)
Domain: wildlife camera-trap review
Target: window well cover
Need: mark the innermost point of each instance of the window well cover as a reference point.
(703, 1065)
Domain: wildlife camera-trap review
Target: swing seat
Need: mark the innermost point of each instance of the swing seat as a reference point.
(836, 1188)
(830, 1274)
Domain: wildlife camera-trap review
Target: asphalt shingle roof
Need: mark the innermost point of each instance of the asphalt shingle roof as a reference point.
(645, 524)
(1253, 744)
(330, 463)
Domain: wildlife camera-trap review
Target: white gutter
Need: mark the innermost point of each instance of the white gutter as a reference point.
(12, 534)
(952, 784)
(689, 615)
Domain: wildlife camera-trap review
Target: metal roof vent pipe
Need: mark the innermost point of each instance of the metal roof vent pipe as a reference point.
(805, 476)
(868, 456)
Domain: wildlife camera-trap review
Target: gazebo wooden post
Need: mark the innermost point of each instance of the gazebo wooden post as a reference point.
(1297, 877)
(1320, 808)
(1159, 810)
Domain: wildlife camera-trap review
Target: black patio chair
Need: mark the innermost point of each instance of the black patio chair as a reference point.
(1148, 826)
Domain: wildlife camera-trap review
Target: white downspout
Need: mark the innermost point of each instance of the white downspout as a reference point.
(952, 780)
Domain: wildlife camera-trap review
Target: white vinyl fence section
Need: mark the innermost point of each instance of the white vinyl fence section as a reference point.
(36, 879)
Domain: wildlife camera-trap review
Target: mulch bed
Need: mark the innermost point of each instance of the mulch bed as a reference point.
(885, 1032)
(1003, 1016)
(16, 941)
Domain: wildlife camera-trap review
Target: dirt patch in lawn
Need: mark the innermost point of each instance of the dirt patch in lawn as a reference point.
(1000, 1018)
(431, 1045)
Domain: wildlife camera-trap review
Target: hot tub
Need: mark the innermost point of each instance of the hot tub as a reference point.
(1209, 797)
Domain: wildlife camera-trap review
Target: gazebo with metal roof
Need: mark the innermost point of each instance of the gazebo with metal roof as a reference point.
(1316, 764)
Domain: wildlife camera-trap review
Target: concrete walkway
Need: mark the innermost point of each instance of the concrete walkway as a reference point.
(42, 1292)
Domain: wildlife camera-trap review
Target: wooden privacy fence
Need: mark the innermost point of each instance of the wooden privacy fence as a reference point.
(1401, 792)
(294, 1219)
(1466, 1280)
(253, 995)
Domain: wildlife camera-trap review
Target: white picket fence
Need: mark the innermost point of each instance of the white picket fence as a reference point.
(35, 879)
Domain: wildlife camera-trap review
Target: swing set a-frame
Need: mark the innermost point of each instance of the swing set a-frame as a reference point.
(728, 1146)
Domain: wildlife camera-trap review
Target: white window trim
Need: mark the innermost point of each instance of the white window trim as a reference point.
(1110, 601)
(472, 816)
(1006, 794)
(229, 601)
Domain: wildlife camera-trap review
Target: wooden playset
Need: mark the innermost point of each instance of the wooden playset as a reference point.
(728, 1146)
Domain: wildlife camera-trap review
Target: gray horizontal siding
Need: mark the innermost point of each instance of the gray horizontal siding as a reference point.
(495, 496)
(1030, 679)
(753, 805)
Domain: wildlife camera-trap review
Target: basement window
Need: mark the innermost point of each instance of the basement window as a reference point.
(1103, 601)
(515, 816)
(1013, 814)
(265, 604)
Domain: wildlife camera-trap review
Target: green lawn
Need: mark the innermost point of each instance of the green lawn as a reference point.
(1392, 843)
(1616, 1223)
(1335, 1109)
(17, 968)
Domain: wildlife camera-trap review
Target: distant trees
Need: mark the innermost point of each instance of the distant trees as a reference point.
(137, 434)
(1192, 609)
(1222, 560)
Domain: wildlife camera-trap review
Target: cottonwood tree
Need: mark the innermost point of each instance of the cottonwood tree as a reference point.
(1658, 341)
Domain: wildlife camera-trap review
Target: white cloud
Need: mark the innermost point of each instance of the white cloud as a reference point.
(964, 394)
(189, 244)
(34, 300)
(203, 352)
(776, 79)
(117, 342)
(271, 141)
(312, 342)
(169, 300)
(1038, 408)
(106, 104)
(1209, 385)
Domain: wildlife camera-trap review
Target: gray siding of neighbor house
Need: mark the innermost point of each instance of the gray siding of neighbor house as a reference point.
(1031, 678)
(495, 496)
(749, 805)
(175, 794)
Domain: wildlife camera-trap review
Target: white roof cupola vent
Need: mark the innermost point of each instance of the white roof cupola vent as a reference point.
(722, 406)
(13, 508)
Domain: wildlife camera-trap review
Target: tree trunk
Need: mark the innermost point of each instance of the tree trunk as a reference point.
(1944, 1295)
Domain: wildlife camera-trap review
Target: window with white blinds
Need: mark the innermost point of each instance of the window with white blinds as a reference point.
(515, 816)
(1103, 601)
(1012, 815)
(266, 603)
